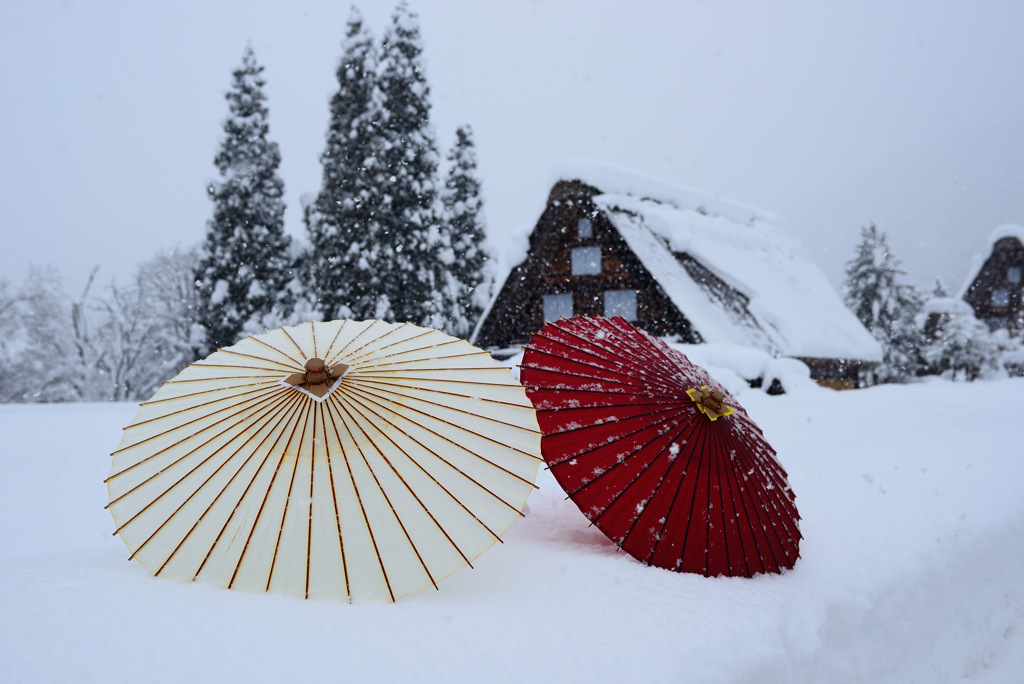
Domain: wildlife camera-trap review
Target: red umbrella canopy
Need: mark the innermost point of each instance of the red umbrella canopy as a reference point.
(659, 456)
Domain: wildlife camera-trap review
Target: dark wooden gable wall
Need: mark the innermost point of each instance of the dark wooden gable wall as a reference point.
(996, 293)
(518, 309)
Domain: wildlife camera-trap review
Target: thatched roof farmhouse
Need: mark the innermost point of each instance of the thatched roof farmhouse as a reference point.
(993, 288)
(676, 262)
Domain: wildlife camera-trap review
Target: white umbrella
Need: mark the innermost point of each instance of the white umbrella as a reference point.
(351, 460)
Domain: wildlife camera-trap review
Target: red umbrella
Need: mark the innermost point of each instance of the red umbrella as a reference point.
(659, 456)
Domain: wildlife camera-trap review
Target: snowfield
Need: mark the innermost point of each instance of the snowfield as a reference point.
(912, 570)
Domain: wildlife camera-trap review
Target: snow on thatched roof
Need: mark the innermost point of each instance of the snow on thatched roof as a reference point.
(796, 310)
(978, 260)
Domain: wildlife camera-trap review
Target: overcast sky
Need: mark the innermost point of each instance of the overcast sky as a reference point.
(831, 114)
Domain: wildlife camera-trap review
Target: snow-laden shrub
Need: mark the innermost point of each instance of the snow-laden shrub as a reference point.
(962, 347)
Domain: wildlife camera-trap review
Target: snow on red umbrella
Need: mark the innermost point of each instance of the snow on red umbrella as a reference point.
(657, 454)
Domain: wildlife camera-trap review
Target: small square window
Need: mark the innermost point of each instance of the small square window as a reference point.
(1013, 274)
(585, 229)
(557, 306)
(586, 260)
(1000, 298)
(620, 303)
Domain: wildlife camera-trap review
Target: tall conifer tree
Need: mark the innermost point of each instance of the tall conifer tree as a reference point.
(341, 222)
(405, 247)
(245, 264)
(463, 260)
(886, 307)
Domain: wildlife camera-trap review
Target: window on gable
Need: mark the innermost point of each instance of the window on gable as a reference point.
(586, 260)
(584, 228)
(620, 303)
(1000, 298)
(557, 306)
(1013, 274)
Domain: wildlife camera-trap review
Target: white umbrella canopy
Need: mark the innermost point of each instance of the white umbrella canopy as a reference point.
(420, 452)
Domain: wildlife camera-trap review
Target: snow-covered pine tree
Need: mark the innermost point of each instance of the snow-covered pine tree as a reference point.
(886, 307)
(245, 264)
(463, 261)
(341, 220)
(405, 245)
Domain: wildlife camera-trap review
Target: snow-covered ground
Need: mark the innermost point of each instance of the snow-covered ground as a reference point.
(912, 570)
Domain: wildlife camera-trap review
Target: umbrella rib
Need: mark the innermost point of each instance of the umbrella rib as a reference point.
(266, 495)
(179, 481)
(357, 336)
(219, 493)
(377, 351)
(672, 505)
(434, 370)
(181, 441)
(769, 467)
(183, 457)
(334, 497)
(773, 470)
(373, 539)
(458, 382)
(380, 392)
(250, 356)
(272, 347)
(195, 420)
(295, 344)
(197, 406)
(392, 364)
(758, 506)
(629, 345)
(352, 353)
(637, 479)
(385, 494)
(358, 497)
(766, 501)
(226, 377)
(638, 475)
(459, 427)
(693, 496)
(644, 390)
(312, 462)
(196, 394)
(675, 404)
(376, 382)
(721, 499)
(228, 365)
(649, 395)
(288, 496)
(667, 407)
(327, 352)
(615, 353)
(410, 489)
(566, 459)
(378, 355)
(436, 481)
(707, 516)
(312, 333)
(459, 446)
(655, 381)
(295, 405)
(673, 365)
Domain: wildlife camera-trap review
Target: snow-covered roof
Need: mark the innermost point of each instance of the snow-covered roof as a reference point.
(947, 305)
(615, 179)
(978, 260)
(792, 308)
